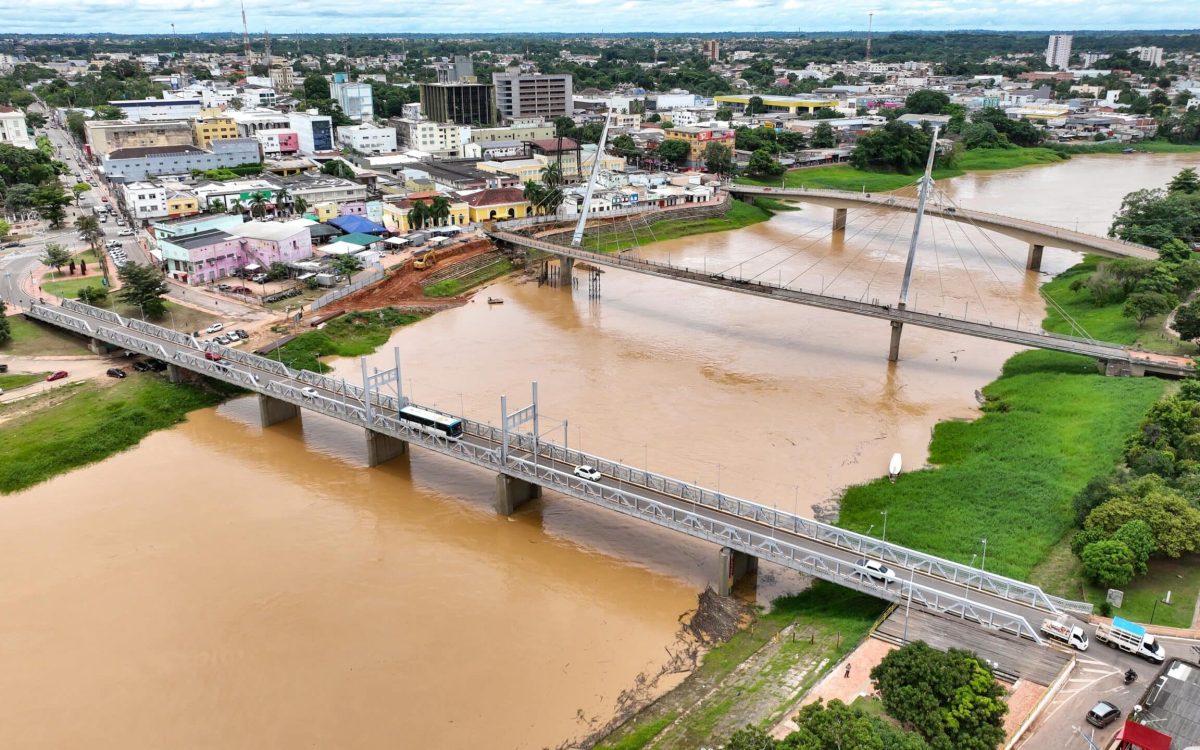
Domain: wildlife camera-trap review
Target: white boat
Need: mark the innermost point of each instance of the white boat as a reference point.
(895, 466)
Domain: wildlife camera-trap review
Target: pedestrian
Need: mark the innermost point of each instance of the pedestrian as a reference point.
(847, 675)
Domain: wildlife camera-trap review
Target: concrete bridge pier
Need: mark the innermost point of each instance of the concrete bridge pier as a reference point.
(512, 493)
(273, 411)
(1033, 262)
(175, 373)
(382, 448)
(839, 219)
(748, 198)
(96, 346)
(894, 346)
(566, 267)
(733, 566)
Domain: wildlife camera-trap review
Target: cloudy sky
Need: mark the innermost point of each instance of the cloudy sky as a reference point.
(464, 16)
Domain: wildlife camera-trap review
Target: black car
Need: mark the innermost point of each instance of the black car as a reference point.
(242, 334)
(1103, 714)
(141, 366)
(13, 244)
(115, 372)
(157, 365)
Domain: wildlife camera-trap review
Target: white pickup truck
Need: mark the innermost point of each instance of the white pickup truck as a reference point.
(1072, 635)
(1132, 638)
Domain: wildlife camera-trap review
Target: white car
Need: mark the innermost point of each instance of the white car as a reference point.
(309, 392)
(125, 233)
(876, 570)
(214, 328)
(587, 472)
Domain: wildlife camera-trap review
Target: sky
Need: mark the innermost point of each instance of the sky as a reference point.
(592, 16)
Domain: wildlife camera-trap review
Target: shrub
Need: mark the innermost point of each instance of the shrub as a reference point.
(1108, 563)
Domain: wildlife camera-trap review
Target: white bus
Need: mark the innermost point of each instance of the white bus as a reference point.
(432, 422)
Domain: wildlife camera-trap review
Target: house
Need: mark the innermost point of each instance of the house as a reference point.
(13, 129)
(395, 214)
(497, 204)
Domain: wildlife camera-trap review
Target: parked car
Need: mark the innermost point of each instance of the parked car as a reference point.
(213, 356)
(241, 290)
(1103, 714)
(115, 372)
(223, 287)
(242, 334)
(125, 233)
(13, 244)
(142, 366)
(56, 376)
(214, 328)
(223, 340)
(876, 570)
(157, 365)
(587, 472)
(259, 278)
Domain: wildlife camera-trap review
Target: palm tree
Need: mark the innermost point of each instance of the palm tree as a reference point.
(535, 194)
(281, 197)
(258, 205)
(299, 205)
(235, 207)
(216, 205)
(552, 197)
(418, 215)
(439, 210)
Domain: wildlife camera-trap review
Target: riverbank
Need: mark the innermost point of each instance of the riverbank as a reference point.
(88, 421)
(1149, 147)
(846, 177)
(631, 235)
(354, 334)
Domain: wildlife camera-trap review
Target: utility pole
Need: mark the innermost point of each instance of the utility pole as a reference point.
(870, 23)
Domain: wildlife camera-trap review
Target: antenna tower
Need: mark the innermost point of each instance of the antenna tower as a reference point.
(267, 49)
(870, 23)
(246, 38)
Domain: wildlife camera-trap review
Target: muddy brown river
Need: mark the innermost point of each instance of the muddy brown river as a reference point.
(226, 586)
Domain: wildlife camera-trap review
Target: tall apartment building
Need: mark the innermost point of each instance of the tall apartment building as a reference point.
(520, 95)
(315, 132)
(460, 103)
(1058, 51)
(459, 70)
(283, 78)
(530, 129)
(357, 100)
(442, 139)
(712, 49)
(367, 139)
(1152, 55)
(140, 110)
(214, 125)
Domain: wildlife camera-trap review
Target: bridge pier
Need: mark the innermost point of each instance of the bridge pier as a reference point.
(733, 566)
(512, 493)
(1033, 262)
(175, 373)
(747, 198)
(566, 267)
(273, 411)
(839, 219)
(382, 448)
(98, 347)
(894, 346)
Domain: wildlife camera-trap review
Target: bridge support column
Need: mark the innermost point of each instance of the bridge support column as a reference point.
(894, 346)
(96, 346)
(839, 219)
(1034, 261)
(566, 267)
(748, 199)
(382, 448)
(273, 411)
(175, 373)
(512, 493)
(733, 566)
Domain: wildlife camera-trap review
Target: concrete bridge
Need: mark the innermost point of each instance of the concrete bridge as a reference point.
(1113, 359)
(524, 465)
(1036, 234)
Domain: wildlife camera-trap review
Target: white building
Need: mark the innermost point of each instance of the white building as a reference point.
(441, 139)
(251, 121)
(278, 141)
(145, 200)
(13, 129)
(1152, 55)
(139, 110)
(356, 99)
(315, 131)
(1058, 51)
(367, 139)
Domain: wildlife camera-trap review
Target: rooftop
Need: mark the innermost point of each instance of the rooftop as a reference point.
(495, 196)
(272, 231)
(1172, 703)
(139, 152)
(199, 239)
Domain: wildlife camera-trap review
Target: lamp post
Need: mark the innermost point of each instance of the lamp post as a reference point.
(983, 562)
(1154, 609)
(884, 513)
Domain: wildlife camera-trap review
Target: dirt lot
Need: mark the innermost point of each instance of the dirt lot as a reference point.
(403, 285)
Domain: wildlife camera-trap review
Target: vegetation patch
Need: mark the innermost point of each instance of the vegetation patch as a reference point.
(12, 381)
(30, 338)
(455, 287)
(351, 335)
(1050, 424)
(618, 238)
(68, 287)
(89, 424)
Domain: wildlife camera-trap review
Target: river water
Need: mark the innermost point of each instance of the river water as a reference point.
(226, 586)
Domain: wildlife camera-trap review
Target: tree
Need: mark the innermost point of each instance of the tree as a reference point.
(755, 106)
(926, 102)
(316, 87)
(216, 206)
(143, 286)
(1137, 536)
(299, 205)
(51, 200)
(750, 738)
(19, 198)
(822, 136)
(439, 210)
(718, 159)
(983, 135)
(89, 226)
(624, 146)
(338, 168)
(258, 205)
(1109, 563)
(281, 198)
(896, 147)
(1173, 521)
(79, 189)
(949, 698)
(5, 330)
(1186, 181)
(564, 126)
(674, 151)
(5, 228)
(1174, 252)
(725, 114)
(836, 726)
(1155, 217)
(25, 166)
(92, 295)
(763, 164)
(1018, 132)
(1187, 321)
(347, 265)
(278, 271)
(418, 215)
(56, 256)
(1144, 305)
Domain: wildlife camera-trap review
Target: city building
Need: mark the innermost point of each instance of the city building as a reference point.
(213, 125)
(527, 129)
(395, 214)
(367, 139)
(184, 226)
(250, 121)
(314, 131)
(459, 70)
(520, 95)
(283, 78)
(145, 200)
(210, 254)
(106, 136)
(441, 139)
(136, 164)
(1058, 51)
(563, 151)
(492, 204)
(1091, 58)
(142, 110)
(278, 141)
(1152, 55)
(355, 99)
(13, 129)
(777, 104)
(698, 138)
(711, 49)
(461, 103)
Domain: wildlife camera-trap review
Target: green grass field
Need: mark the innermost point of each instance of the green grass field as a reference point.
(90, 423)
(351, 335)
(13, 380)
(454, 287)
(32, 339)
(845, 177)
(1105, 323)
(618, 238)
(62, 285)
(1151, 147)
(1052, 424)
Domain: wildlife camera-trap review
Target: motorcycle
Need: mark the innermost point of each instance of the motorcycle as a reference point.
(1130, 677)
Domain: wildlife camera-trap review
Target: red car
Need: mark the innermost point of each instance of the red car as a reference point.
(56, 376)
(210, 356)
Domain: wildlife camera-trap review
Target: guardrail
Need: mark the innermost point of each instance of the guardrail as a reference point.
(363, 282)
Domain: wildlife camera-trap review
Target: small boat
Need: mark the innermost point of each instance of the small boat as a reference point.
(894, 467)
(1128, 150)
(495, 301)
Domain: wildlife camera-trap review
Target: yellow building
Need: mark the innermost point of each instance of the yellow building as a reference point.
(395, 215)
(698, 138)
(213, 125)
(524, 169)
(790, 104)
(498, 204)
(182, 204)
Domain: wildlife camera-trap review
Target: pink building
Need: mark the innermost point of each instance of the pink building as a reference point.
(214, 254)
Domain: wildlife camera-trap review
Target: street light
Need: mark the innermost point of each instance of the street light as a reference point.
(884, 514)
(1155, 608)
(983, 562)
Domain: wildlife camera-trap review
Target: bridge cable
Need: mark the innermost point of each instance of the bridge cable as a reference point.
(891, 216)
(937, 261)
(826, 235)
(966, 269)
(879, 266)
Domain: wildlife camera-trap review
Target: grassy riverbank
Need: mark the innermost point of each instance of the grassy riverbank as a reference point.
(1051, 423)
(1104, 322)
(746, 679)
(351, 335)
(845, 177)
(455, 287)
(1150, 147)
(622, 236)
(86, 422)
